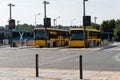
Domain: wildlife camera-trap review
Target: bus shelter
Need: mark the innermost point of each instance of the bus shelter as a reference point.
(21, 38)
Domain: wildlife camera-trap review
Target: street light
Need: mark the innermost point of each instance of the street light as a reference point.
(84, 7)
(95, 22)
(11, 23)
(11, 5)
(84, 32)
(45, 2)
(54, 22)
(56, 19)
(72, 22)
(18, 22)
(35, 17)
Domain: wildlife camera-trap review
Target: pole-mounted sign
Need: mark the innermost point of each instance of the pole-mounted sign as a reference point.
(47, 22)
(11, 24)
(86, 20)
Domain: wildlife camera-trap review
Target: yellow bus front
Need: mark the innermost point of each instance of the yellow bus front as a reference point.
(40, 43)
(39, 37)
(76, 43)
(76, 38)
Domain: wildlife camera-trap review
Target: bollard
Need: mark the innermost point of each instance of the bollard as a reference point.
(80, 66)
(37, 65)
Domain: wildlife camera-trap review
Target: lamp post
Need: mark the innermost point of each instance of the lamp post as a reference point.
(45, 2)
(11, 5)
(84, 32)
(35, 17)
(95, 22)
(72, 22)
(18, 22)
(56, 20)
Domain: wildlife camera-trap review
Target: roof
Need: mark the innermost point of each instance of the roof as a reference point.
(83, 29)
(50, 29)
(19, 31)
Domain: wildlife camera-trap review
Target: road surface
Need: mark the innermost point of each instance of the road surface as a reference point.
(61, 58)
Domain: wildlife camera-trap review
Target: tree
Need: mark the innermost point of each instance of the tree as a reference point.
(89, 27)
(117, 31)
(112, 25)
(117, 23)
(108, 26)
(95, 26)
(117, 34)
(104, 26)
(24, 27)
(40, 26)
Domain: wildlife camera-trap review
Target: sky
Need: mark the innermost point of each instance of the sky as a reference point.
(70, 11)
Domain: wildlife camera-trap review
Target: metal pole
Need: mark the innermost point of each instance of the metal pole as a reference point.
(84, 32)
(37, 65)
(45, 8)
(57, 21)
(45, 2)
(10, 29)
(95, 22)
(80, 66)
(10, 5)
(54, 22)
(84, 7)
(35, 20)
(72, 22)
(45, 26)
(10, 11)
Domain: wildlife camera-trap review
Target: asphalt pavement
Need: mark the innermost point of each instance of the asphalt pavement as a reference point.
(54, 74)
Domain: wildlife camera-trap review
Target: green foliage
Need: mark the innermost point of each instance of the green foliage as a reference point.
(89, 27)
(24, 27)
(39, 26)
(108, 26)
(117, 23)
(112, 26)
(117, 31)
(95, 26)
(117, 34)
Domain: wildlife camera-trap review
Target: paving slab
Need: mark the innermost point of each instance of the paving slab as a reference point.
(52, 74)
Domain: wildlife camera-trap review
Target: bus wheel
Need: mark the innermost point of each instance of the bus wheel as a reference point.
(54, 44)
(66, 43)
(40, 46)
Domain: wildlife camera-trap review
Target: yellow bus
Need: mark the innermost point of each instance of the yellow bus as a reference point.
(55, 37)
(76, 38)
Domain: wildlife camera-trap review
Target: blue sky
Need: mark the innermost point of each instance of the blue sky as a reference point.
(25, 11)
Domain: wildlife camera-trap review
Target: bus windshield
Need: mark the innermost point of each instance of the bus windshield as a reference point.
(76, 35)
(39, 34)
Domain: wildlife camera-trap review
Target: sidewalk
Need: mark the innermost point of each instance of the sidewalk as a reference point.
(48, 74)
